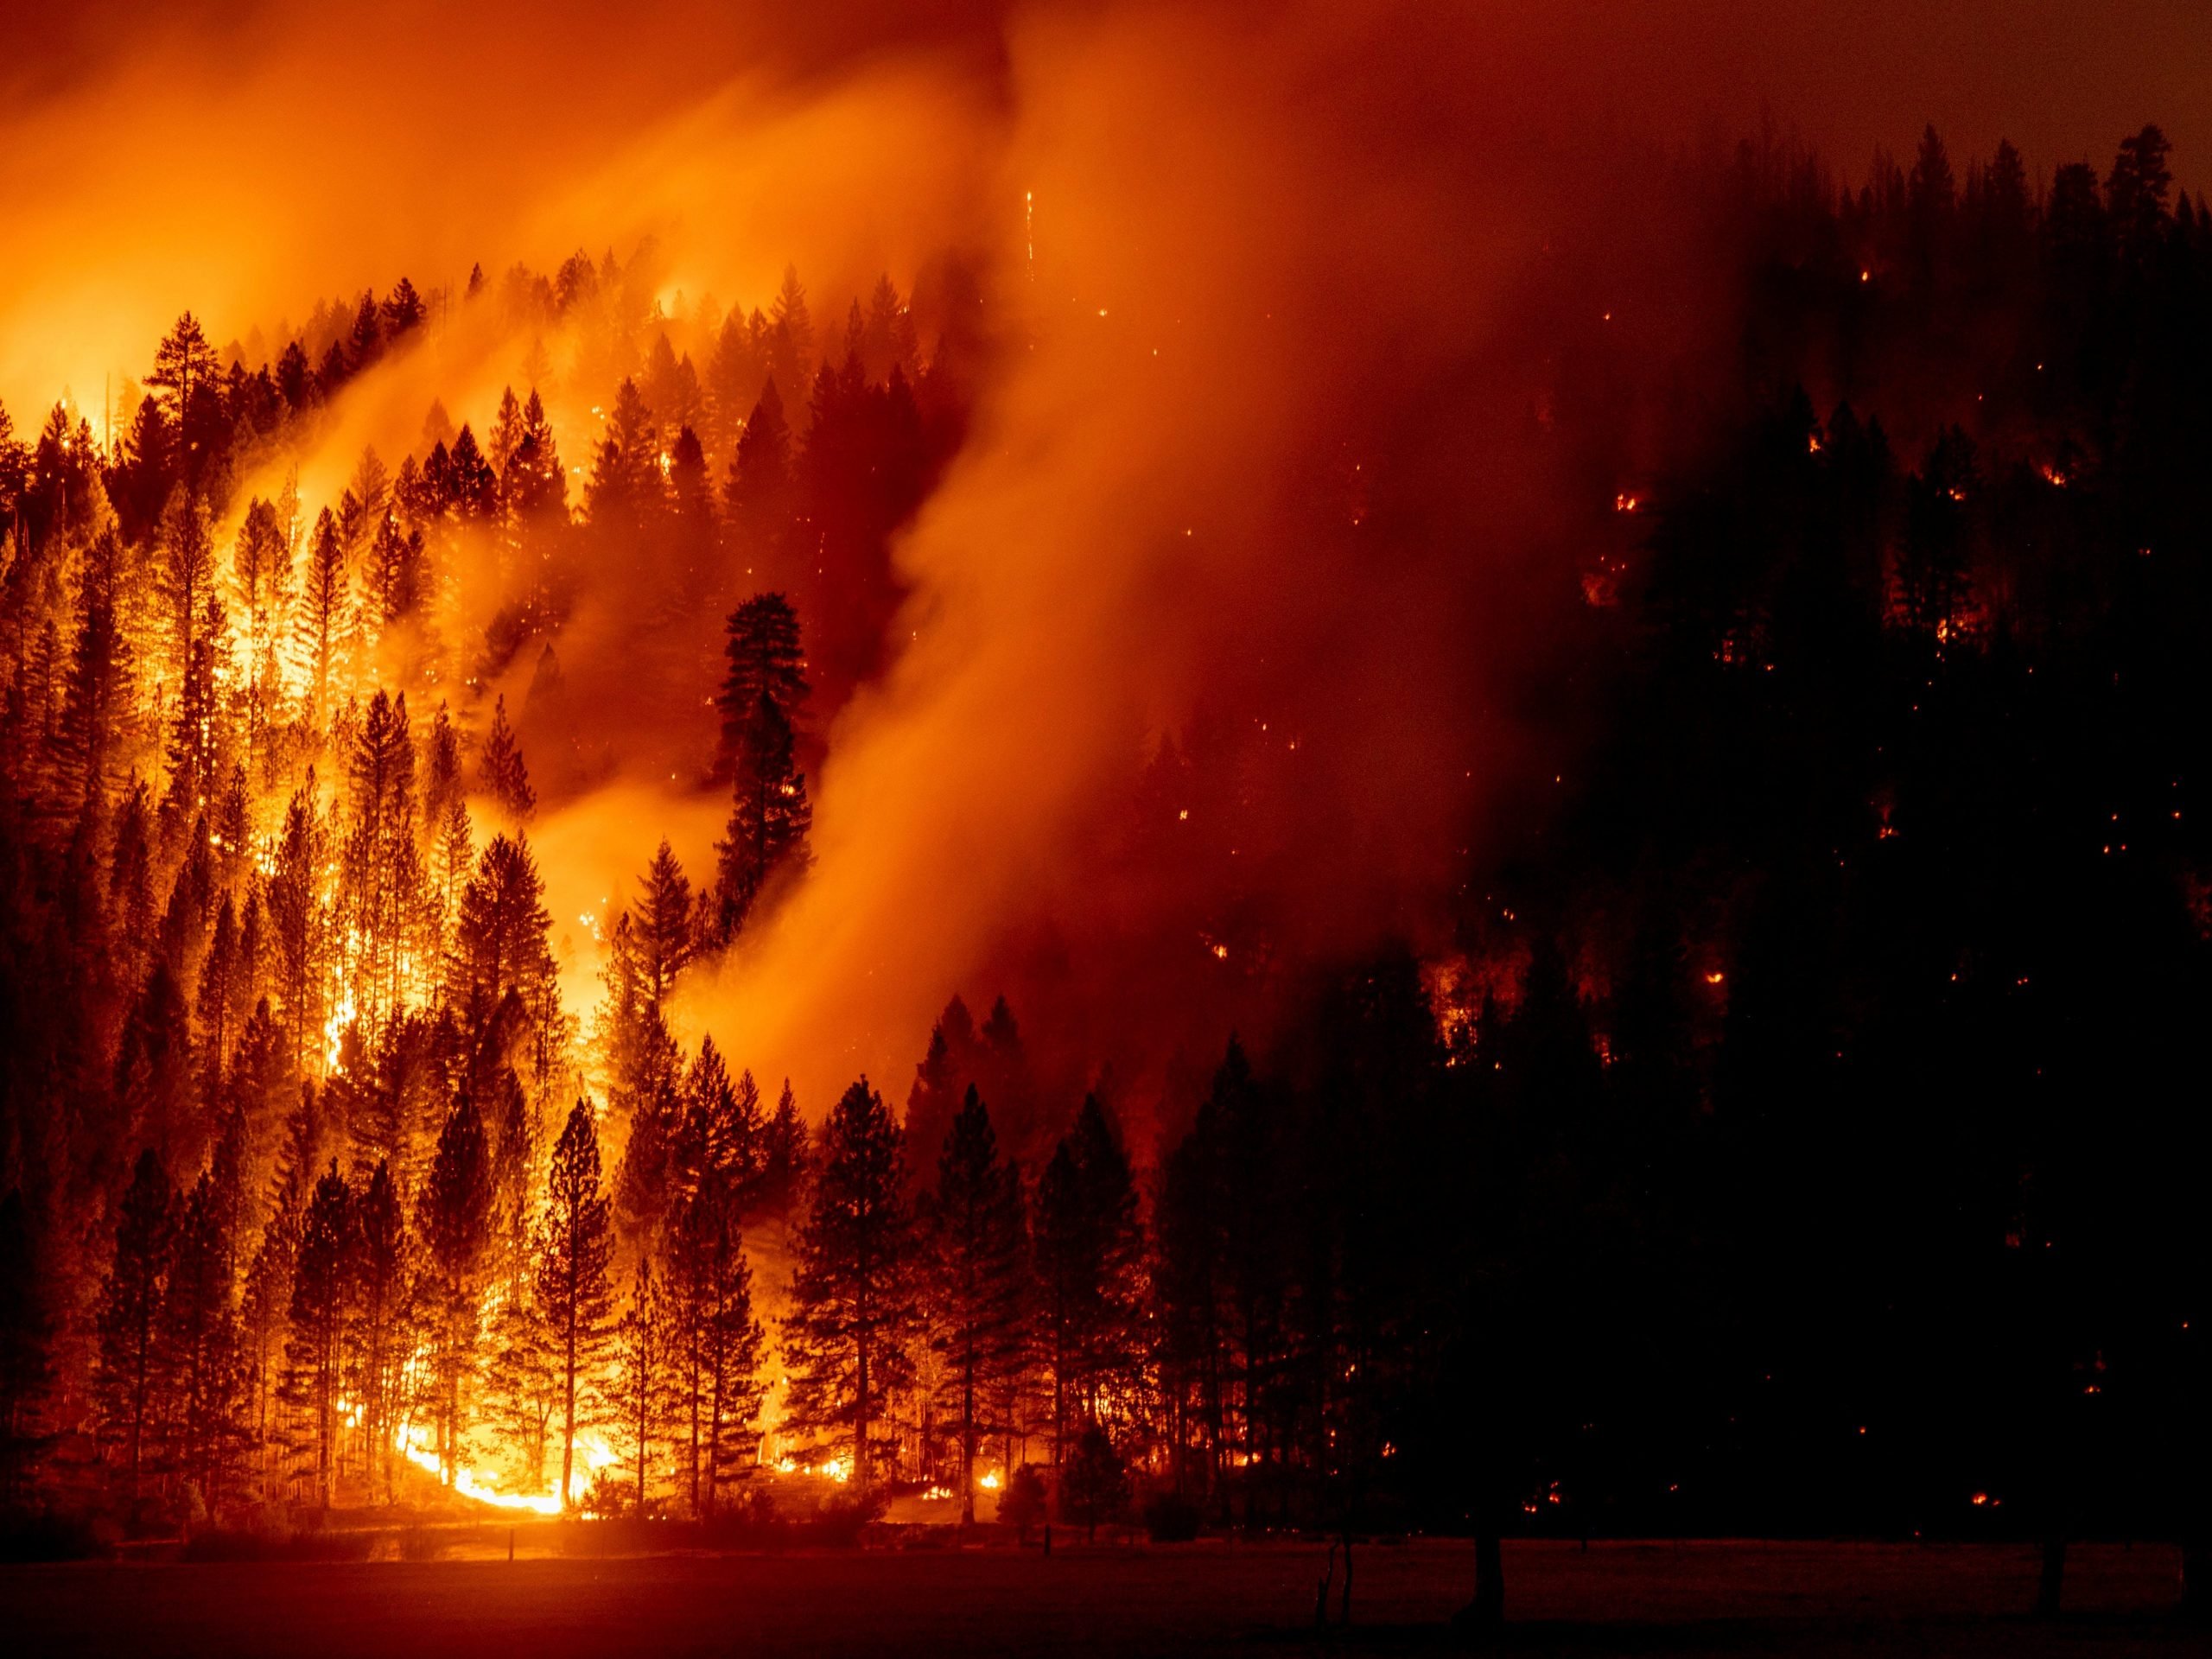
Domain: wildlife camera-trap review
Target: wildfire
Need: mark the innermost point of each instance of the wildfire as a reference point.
(989, 1482)
(343, 1010)
(1625, 503)
(465, 1481)
(593, 1455)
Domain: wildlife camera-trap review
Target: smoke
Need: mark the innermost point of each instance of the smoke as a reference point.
(1269, 443)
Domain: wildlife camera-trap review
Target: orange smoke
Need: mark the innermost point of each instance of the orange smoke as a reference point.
(1253, 268)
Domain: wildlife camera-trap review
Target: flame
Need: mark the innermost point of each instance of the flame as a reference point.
(414, 1447)
(342, 1013)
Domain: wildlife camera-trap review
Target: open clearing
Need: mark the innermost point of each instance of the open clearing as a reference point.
(1619, 1598)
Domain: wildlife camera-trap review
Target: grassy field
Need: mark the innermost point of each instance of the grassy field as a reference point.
(1707, 1598)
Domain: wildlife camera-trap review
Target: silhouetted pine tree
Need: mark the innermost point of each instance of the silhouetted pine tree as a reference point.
(848, 1339)
(324, 1283)
(769, 817)
(454, 1220)
(569, 1274)
(974, 1227)
(500, 772)
(1089, 1254)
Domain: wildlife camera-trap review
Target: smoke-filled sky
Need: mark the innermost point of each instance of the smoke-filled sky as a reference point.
(1269, 240)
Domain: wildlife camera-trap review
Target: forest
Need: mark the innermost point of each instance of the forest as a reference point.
(1789, 1122)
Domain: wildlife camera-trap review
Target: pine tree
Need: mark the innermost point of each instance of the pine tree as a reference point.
(128, 1385)
(499, 943)
(848, 1339)
(769, 817)
(717, 1356)
(786, 1157)
(381, 863)
(199, 1336)
(454, 1221)
(98, 675)
(263, 1309)
(185, 580)
(569, 1276)
(789, 314)
(975, 1234)
(324, 616)
(154, 1080)
(664, 924)
(628, 489)
(299, 923)
(187, 374)
(441, 782)
(500, 773)
(506, 437)
(324, 1276)
(642, 1347)
(380, 1339)
(763, 652)
(1089, 1251)
(761, 494)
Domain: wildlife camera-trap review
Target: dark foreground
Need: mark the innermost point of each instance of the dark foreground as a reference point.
(1618, 1598)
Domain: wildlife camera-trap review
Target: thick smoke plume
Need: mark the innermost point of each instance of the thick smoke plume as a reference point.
(1281, 305)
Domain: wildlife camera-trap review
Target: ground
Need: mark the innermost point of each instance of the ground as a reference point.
(1681, 1601)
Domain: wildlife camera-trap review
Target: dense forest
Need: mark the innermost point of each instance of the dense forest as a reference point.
(1793, 1122)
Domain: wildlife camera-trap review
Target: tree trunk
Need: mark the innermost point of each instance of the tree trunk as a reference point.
(2196, 1577)
(569, 1418)
(859, 1424)
(2052, 1583)
(1486, 1612)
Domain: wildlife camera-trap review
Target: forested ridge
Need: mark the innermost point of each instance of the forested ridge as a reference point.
(1789, 1124)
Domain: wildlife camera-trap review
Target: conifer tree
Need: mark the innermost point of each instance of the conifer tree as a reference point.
(454, 1220)
(379, 1341)
(128, 1380)
(789, 314)
(786, 1156)
(569, 1276)
(199, 1337)
(717, 1359)
(324, 616)
(499, 946)
(442, 780)
(500, 772)
(760, 496)
(849, 1336)
(975, 1229)
(764, 657)
(769, 817)
(315, 1352)
(664, 926)
(298, 921)
(1090, 1253)
(643, 1340)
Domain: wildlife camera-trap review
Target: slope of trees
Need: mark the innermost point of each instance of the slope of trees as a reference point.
(1778, 1130)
